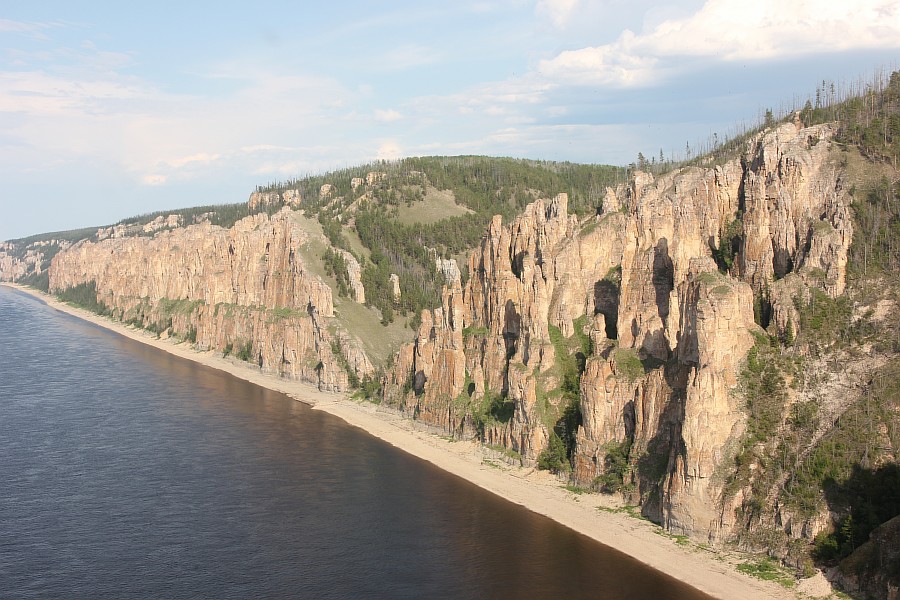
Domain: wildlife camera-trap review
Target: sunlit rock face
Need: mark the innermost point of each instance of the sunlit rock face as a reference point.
(662, 282)
(236, 287)
(670, 327)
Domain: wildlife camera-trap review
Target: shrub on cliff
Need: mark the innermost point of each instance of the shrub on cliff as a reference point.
(84, 295)
(553, 458)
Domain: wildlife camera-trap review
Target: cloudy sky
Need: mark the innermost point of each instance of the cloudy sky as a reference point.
(111, 109)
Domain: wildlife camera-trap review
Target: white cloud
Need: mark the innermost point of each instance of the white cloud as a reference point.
(263, 148)
(200, 157)
(154, 179)
(731, 30)
(502, 97)
(31, 29)
(557, 111)
(389, 150)
(44, 94)
(80, 104)
(558, 11)
(387, 116)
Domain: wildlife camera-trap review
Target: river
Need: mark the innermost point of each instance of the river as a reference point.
(126, 472)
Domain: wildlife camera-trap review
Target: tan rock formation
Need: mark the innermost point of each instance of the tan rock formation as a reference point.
(160, 222)
(11, 268)
(669, 330)
(796, 213)
(354, 274)
(373, 177)
(261, 200)
(231, 288)
(448, 268)
(669, 327)
(19, 260)
(395, 286)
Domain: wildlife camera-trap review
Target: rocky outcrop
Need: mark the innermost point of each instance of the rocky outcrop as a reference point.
(20, 260)
(11, 267)
(373, 177)
(160, 222)
(395, 287)
(716, 331)
(618, 337)
(449, 269)
(670, 327)
(261, 200)
(796, 214)
(244, 290)
(354, 275)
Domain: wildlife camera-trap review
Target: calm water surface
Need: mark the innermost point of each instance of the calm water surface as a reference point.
(128, 473)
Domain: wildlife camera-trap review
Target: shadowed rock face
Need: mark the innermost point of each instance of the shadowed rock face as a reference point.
(669, 330)
(874, 568)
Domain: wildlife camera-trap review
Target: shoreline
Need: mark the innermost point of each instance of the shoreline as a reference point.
(598, 517)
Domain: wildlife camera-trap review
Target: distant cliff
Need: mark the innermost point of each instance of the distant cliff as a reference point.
(244, 290)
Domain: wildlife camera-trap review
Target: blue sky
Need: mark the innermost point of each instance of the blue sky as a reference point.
(111, 109)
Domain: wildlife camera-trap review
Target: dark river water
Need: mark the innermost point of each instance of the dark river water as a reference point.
(128, 473)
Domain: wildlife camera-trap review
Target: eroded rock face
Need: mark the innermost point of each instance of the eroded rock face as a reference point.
(258, 200)
(716, 331)
(354, 274)
(240, 288)
(796, 214)
(670, 328)
(11, 267)
(18, 260)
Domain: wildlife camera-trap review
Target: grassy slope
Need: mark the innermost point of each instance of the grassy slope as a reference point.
(437, 206)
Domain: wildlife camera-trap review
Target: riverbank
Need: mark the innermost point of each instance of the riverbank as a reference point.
(590, 514)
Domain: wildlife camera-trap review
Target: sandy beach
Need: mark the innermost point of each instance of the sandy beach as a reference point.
(593, 515)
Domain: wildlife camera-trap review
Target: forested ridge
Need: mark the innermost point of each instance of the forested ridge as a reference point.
(400, 242)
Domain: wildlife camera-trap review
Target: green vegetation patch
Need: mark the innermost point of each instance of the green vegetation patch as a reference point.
(616, 467)
(877, 213)
(473, 331)
(436, 205)
(181, 306)
(280, 313)
(730, 240)
(839, 468)
(825, 322)
(721, 290)
(380, 342)
(766, 442)
(507, 452)
(564, 417)
(767, 570)
(628, 363)
(84, 295)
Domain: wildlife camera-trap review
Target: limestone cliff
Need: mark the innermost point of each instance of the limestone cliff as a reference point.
(244, 290)
(669, 327)
(19, 261)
